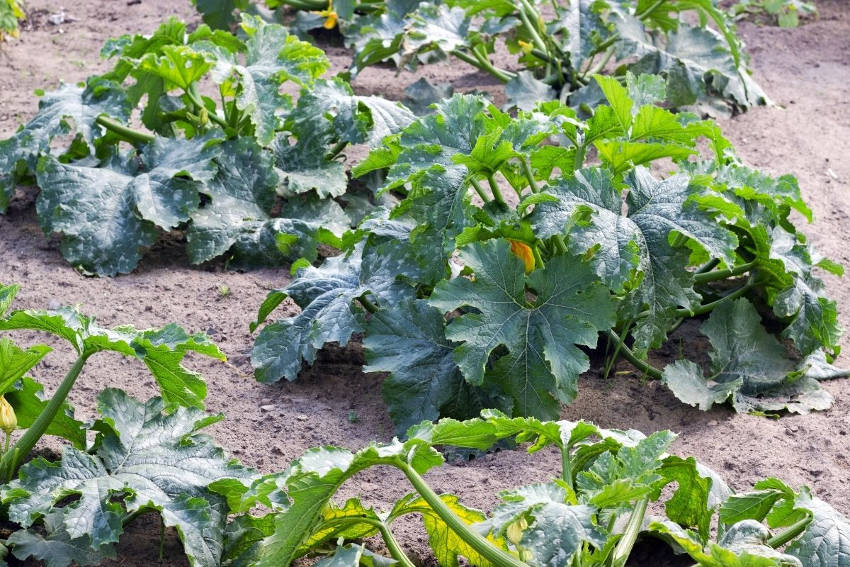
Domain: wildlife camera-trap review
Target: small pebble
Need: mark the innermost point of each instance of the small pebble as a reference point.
(266, 408)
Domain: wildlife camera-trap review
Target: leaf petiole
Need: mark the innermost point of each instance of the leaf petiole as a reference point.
(129, 134)
(498, 557)
(28, 440)
(627, 353)
(723, 274)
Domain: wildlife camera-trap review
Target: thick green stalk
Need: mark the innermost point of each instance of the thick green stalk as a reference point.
(634, 360)
(566, 466)
(707, 307)
(723, 274)
(793, 531)
(560, 244)
(133, 136)
(193, 95)
(309, 5)
(526, 170)
(708, 266)
(498, 557)
(337, 149)
(28, 440)
(627, 542)
(532, 29)
(479, 190)
(393, 546)
(483, 65)
(494, 188)
(367, 305)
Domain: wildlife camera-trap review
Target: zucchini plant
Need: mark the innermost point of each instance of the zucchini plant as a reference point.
(245, 170)
(515, 242)
(141, 460)
(590, 515)
(558, 46)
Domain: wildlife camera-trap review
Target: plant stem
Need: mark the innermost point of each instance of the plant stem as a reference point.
(309, 5)
(793, 531)
(161, 539)
(602, 62)
(708, 266)
(649, 9)
(133, 136)
(479, 190)
(560, 245)
(6, 444)
(579, 159)
(192, 93)
(393, 546)
(634, 360)
(28, 440)
(624, 546)
(526, 170)
(367, 305)
(337, 149)
(497, 556)
(532, 28)
(494, 188)
(623, 334)
(566, 466)
(723, 274)
(484, 65)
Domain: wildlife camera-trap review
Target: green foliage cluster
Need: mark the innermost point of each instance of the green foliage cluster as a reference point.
(472, 299)
(558, 46)
(786, 13)
(10, 12)
(251, 177)
(140, 460)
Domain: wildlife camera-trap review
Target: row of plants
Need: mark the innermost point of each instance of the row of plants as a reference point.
(558, 46)
(245, 170)
(481, 253)
(150, 457)
(513, 243)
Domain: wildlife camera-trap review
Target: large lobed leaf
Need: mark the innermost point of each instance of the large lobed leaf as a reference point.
(142, 459)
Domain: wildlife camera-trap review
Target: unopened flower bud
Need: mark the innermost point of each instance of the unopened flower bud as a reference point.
(8, 419)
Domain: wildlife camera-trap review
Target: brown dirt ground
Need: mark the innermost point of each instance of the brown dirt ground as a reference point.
(807, 73)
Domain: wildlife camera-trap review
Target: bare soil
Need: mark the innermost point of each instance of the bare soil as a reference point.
(807, 73)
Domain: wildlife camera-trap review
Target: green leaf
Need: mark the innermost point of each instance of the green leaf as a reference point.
(29, 400)
(68, 110)
(635, 243)
(541, 335)
(56, 548)
(142, 459)
(749, 365)
(219, 14)
(272, 57)
(15, 362)
(7, 296)
(179, 66)
(107, 214)
(524, 91)
(556, 530)
(240, 221)
(826, 541)
(445, 543)
(316, 476)
(162, 350)
(408, 340)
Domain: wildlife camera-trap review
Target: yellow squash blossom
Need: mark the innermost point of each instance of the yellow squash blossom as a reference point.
(330, 16)
(523, 251)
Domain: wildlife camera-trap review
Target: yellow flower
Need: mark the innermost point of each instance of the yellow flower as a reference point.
(523, 251)
(8, 419)
(330, 16)
(525, 46)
